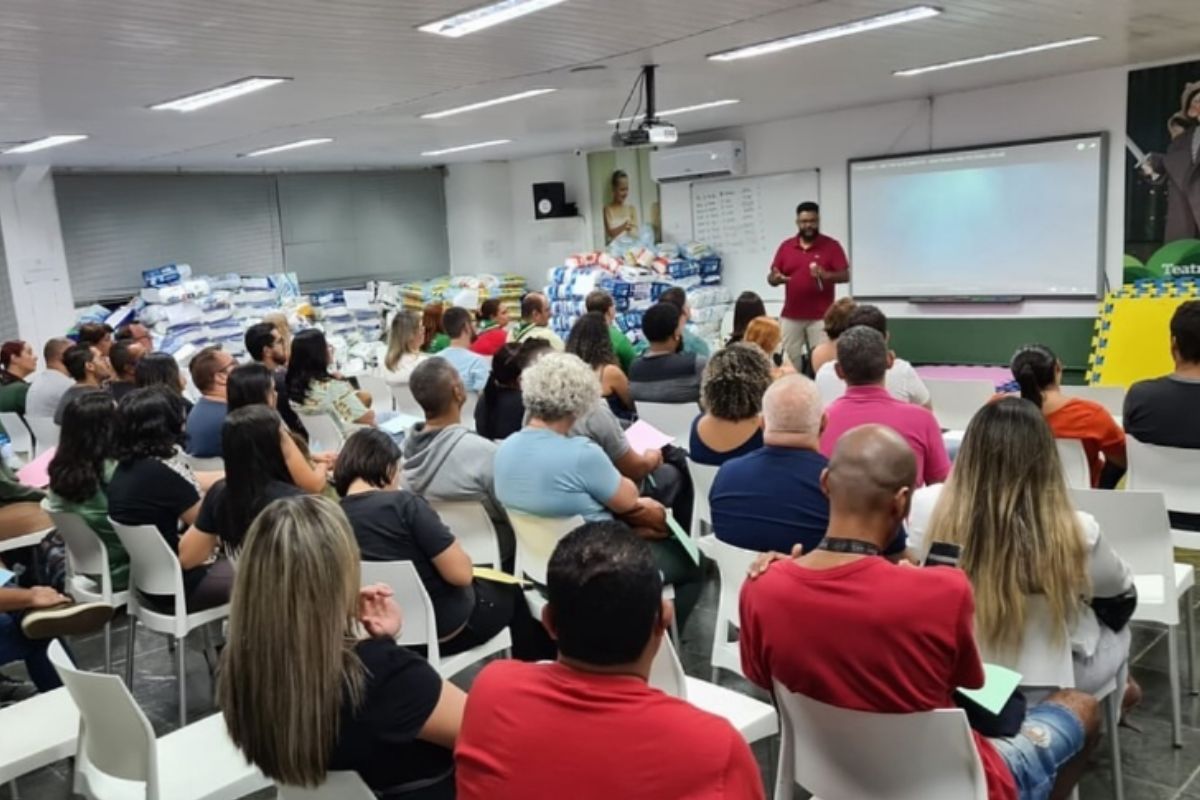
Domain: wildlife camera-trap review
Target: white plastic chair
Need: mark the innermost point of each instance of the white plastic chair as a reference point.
(733, 563)
(213, 464)
(837, 753)
(468, 520)
(118, 756)
(1136, 526)
(703, 476)
(18, 433)
(38, 732)
(45, 433)
(955, 402)
(324, 433)
(1111, 397)
(403, 401)
(154, 569)
(381, 393)
(28, 540)
(673, 419)
(1074, 463)
(420, 623)
(752, 718)
(337, 786)
(88, 577)
(468, 410)
(1172, 471)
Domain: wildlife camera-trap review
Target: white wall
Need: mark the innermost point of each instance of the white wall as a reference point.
(539, 245)
(479, 218)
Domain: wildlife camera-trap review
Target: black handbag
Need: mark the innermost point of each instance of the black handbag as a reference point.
(1114, 612)
(994, 726)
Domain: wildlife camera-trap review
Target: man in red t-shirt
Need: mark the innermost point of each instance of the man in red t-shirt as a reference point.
(850, 629)
(808, 266)
(589, 726)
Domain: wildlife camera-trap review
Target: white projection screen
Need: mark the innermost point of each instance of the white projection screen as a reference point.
(1001, 222)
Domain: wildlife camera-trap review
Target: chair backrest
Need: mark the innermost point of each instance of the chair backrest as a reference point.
(416, 609)
(405, 403)
(839, 753)
(468, 520)
(115, 735)
(324, 432)
(955, 402)
(666, 671)
(337, 786)
(1044, 660)
(831, 390)
(153, 566)
(381, 393)
(18, 432)
(468, 410)
(1170, 470)
(733, 564)
(1111, 397)
(214, 464)
(45, 433)
(673, 419)
(703, 476)
(1074, 463)
(1136, 526)
(536, 538)
(85, 552)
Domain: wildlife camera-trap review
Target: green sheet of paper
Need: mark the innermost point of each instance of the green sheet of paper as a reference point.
(998, 685)
(689, 544)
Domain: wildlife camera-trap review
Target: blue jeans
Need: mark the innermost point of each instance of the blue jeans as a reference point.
(15, 647)
(1050, 737)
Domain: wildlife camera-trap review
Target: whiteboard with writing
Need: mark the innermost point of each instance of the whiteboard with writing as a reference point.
(745, 219)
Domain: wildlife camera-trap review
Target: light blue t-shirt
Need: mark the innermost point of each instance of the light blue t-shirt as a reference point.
(472, 368)
(540, 472)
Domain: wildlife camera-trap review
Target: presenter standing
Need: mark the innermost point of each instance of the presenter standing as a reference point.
(808, 265)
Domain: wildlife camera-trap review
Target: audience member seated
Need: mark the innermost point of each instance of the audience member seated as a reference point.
(444, 459)
(89, 369)
(30, 619)
(124, 358)
(472, 367)
(589, 726)
(392, 524)
(543, 470)
(406, 335)
(748, 306)
(890, 638)
(97, 335)
(1039, 374)
(314, 389)
(663, 374)
(493, 327)
(48, 386)
(435, 339)
(500, 411)
(863, 361)
(81, 469)
(535, 321)
(767, 335)
(267, 346)
(601, 302)
(590, 340)
(837, 319)
(153, 485)
(256, 474)
(677, 296)
(210, 374)
(1006, 503)
(254, 384)
(17, 364)
(731, 394)
(161, 369)
(902, 380)
(362, 703)
(136, 333)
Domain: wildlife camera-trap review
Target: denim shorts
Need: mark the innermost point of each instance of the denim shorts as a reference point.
(1050, 737)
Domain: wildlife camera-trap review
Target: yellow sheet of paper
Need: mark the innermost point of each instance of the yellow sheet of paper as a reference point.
(496, 576)
(999, 683)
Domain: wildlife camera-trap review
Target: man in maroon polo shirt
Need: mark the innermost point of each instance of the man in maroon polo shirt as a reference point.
(809, 264)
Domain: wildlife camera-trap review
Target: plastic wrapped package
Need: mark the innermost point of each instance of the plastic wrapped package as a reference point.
(256, 282)
(166, 275)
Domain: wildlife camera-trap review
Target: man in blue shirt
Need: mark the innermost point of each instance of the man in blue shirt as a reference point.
(210, 372)
(471, 367)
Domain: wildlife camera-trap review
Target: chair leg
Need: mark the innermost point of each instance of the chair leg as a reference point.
(1176, 690)
(1191, 643)
(181, 657)
(131, 635)
(1112, 715)
(675, 632)
(12, 790)
(108, 647)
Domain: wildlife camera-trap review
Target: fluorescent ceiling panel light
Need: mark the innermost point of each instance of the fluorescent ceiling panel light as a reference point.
(963, 62)
(280, 148)
(674, 112)
(912, 14)
(485, 17)
(46, 143)
(508, 98)
(219, 94)
(464, 147)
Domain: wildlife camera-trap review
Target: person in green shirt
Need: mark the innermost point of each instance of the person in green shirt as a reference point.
(692, 343)
(602, 302)
(17, 363)
(436, 339)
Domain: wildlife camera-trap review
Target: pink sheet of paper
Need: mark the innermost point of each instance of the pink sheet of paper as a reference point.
(643, 436)
(37, 472)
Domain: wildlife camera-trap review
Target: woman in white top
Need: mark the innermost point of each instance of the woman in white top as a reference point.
(1006, 505)
(619, 217)
(405, 338)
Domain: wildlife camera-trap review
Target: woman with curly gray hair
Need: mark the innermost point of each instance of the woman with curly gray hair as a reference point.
(731, 393)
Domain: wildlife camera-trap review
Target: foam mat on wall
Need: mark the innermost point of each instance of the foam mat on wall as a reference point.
(1132, 341)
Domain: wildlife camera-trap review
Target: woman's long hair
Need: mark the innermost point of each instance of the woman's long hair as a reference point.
(284, 675)
(405, 325)
(309, 362)
(748, 306)
(84, 445)
(249, 385)
(149, 424)
(590, 340)
(1035, 368)
(158, 369)
(432, 319)
(1006, 504)
(252, 446)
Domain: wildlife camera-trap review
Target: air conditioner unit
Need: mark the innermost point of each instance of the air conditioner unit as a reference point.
(712, 160)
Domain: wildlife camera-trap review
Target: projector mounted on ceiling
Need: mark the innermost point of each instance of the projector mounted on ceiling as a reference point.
(645, 130)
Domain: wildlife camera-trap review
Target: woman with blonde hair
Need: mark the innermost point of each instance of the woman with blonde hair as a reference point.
(406, 335)
(324, 686)
(1007, 506)
(767, 334)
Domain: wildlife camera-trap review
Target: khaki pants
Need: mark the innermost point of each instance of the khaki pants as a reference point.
(799, 335)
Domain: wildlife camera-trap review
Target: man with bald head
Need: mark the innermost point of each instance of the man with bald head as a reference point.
(849, 629)
(535, 321)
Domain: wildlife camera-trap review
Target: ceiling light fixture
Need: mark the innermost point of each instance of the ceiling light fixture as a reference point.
(964, 62)
(673, 112)
(46, 143)
(280, 148)
(218, 94)
(464, 147)
(912, 14)
(485, 17)
(509, 98)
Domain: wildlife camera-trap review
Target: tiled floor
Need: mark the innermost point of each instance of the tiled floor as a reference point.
(1154, 770)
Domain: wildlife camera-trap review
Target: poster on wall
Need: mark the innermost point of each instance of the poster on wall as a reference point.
(620, 184)
(1162, 187)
